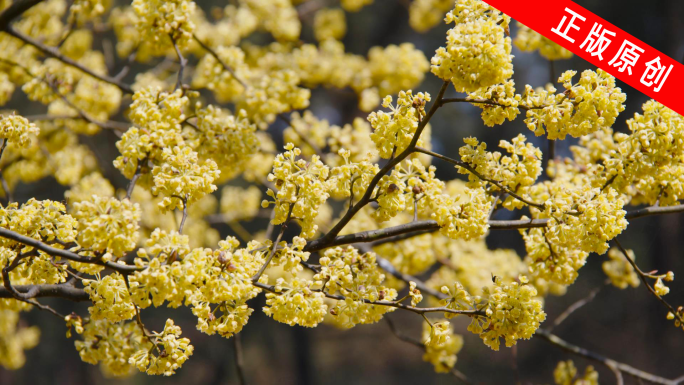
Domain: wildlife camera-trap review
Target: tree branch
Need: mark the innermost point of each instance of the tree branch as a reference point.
(15, 10)
(66, 254)
(642, 277)
(396, 304)
(58, 291)
(387, 168)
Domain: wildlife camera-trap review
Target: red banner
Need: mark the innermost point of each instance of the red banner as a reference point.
(603, 45)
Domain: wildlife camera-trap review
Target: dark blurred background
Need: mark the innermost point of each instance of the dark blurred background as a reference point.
(626, 325)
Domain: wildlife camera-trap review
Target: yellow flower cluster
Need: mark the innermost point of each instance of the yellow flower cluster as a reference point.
(650, 157)
(279, 17)
(583, 218)
(354, 138)
(273, 94)
(228, 140)
(174, 352)
(585, 107)
(512, 312)
(302, 188)
(44, 20)
(91, 184)
(83, 11)
(223, 278)
(503, 105)
(157, 283)
(351, 178)
(619, 270)
(111, 345)
(42, 220)
(516, 172)
(239, 204)
(441, 352)
(330, 23)
(14, 340)
(566, 374)
(357, 277)
(182, 178)
(307, 125)
(210, 73)
(289, 257)
(111, 299)
(16, 130)
(396, 68)
(425, 14)
(107, 224)
(472, 264)
(477, 52)
(296, 303)
(528, 40)
(235, 22)
(157, 116)
(394, 131)
(164, 22)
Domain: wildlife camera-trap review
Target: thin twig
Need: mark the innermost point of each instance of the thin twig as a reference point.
(182, 61)
(396, 304)
(131, 184)
(487, 102)
(223, 64)
(239, 363)
(643, 277)
(576, 305)
(185, 214)
(472, 170)
(274, 247)
(616, 366)
(5, 185)
(455, 372)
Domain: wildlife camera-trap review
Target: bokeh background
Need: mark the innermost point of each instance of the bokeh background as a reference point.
(627, 325)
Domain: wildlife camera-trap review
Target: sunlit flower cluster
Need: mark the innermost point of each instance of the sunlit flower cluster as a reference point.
(393, 131)
(528, 40)
(357, 277)
(356, 222)
(512, 312)
(477, 52)
(165, 22)
(566, 374)
(619, 270)
(301, 189)
(592, 103)
(110, 297)
(182, 178)
(296, 303)
(173, 352)
(111, 345)
(107, 225)
(441, 352)
(17, 130)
